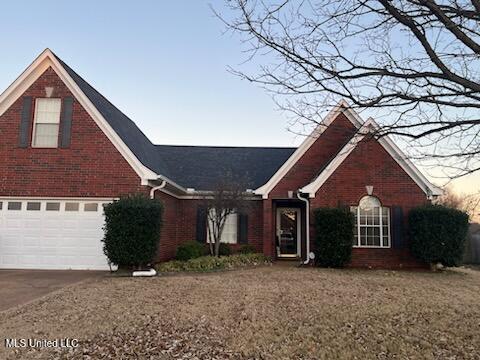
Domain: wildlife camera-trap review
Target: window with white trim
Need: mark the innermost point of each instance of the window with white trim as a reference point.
(372, 223)
(229, 233)
(46, 123)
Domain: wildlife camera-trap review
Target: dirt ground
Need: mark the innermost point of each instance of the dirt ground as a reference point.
(266, 313)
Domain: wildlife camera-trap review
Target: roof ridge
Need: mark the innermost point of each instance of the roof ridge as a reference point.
(228, 146)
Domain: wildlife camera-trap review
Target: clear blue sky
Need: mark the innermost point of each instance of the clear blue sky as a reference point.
(164, 63)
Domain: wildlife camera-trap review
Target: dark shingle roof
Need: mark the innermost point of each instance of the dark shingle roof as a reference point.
(128, 131)
(199, 167)
(196, 167)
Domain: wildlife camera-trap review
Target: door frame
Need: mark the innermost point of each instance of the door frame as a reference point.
(299, 231)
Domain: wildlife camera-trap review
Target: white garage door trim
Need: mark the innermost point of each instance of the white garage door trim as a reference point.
(53, 233)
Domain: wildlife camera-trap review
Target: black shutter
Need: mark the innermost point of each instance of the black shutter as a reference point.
(242, 231)
(202, 224)
(25, 122)
(66, 122)
(397, 227)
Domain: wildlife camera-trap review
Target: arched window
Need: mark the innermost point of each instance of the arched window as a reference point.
(372, 223)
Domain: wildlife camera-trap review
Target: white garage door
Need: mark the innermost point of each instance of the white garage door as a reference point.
(52, 234)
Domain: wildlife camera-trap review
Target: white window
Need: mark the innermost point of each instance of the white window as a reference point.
(90, 207)
(14, 205)
(33, 206)
(53, 206)
(46, 123)
(229, 233)
(71, 206)
(372, 223)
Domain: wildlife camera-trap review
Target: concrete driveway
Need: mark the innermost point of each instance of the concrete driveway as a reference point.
(21, 286)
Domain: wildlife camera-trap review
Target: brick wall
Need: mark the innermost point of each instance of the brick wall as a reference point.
(90, 167)
(180, 224)
(370, 164)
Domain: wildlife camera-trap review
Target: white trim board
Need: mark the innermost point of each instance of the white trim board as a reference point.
(369, 127)
(47, 59)
(341, 107)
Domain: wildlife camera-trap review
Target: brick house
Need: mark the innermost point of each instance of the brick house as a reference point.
(66, 151)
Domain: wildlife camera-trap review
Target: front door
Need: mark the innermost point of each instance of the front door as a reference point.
(288, 232)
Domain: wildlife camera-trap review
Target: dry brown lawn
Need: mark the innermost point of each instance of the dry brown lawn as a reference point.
(273, 312)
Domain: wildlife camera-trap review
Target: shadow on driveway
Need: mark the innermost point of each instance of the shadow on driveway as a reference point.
(22, 286)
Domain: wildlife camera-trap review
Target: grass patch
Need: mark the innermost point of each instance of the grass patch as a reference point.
(211, 263)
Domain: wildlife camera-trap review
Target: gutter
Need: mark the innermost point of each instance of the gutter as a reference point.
(307, 228)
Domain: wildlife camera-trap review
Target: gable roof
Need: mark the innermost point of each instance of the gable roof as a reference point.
(370, 126)
(48, 60)
(196, 167)
(341, 108)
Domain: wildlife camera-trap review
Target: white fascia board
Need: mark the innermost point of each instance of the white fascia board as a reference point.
(371, 126)
(406, 164)
(23, 82)
(313, 187)
(341, 107)
(47, 59)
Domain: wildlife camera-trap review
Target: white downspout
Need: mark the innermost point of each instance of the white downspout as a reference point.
(307, 227)
(151, 272)
(152, 190)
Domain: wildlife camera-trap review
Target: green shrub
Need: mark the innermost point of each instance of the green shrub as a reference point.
(247, 249)
(212, 263)
(437, 234)
(190, 250)
(224, 250)
(333, 236)
(132, 231)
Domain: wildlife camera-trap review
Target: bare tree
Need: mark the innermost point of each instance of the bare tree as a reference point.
(415, 62)
(229, 197)
(468, 203)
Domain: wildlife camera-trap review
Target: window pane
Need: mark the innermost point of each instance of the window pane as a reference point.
(71, 206)
(1, 205)
(363, 219)
(385, 241)
(369, 202)
(53, 206)
(14, 205)
(229, 233)
(90, 207)
(35, 206)
(46, 135)
(48, 111)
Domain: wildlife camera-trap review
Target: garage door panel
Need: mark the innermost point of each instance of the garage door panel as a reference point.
(9, 259)
(31, 241)
(44, 239)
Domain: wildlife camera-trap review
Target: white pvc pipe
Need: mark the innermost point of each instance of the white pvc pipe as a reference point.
(152, 190)
(150, 272)
(307, 227)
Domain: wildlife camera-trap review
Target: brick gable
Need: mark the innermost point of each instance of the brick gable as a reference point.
(370, 164)
(315, 158)
(90, 167)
